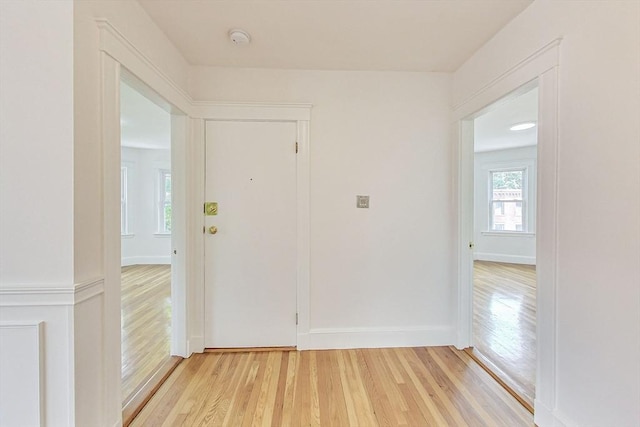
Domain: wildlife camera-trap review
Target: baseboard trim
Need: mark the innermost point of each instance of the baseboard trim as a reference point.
(328, 339)
(511, 259)
(248, 349)
(546, 417)
(195, 344)
(145, 260)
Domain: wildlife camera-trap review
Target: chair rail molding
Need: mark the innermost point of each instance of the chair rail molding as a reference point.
(47, 295)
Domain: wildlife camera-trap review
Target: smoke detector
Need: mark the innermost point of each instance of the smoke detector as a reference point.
(239, 37)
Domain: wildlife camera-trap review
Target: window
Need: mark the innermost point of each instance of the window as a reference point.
(507, 200)
(164, 202)
(124, 222)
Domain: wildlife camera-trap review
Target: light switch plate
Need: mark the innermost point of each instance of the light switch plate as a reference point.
(362, 202)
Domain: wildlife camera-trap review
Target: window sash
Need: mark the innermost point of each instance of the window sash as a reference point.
(164, 202)
(516, 219)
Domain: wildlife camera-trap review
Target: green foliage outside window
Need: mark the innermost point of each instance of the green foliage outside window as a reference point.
(510, 180)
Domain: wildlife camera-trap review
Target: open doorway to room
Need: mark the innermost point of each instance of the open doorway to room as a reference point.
(146, 227)
(504, 249)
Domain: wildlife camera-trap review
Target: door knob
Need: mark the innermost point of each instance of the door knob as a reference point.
(213, 229)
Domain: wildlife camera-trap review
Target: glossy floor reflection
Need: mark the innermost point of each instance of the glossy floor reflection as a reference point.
(146, 323)
(504, 323)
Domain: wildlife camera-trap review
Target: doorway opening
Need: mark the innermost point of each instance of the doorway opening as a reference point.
(504, 241)
(146, 245)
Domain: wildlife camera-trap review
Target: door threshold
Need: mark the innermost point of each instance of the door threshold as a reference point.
(493, 370)
(141, 396)
(248, 349)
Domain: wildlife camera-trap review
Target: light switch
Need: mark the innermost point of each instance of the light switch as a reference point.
(362, 202)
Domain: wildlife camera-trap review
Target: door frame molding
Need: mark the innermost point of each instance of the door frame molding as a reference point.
(120, 59)
(300, 114)
(119, 56)
(543, 66)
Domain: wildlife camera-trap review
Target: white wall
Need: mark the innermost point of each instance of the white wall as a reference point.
(143, 244)
(517, 248)
(382, 134)
(598, 264)
(36, 210)
(36, 107)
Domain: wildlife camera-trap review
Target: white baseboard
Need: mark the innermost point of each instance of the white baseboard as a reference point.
(195, 345)
(146, 260)
(545, 417)
(512, 259)
(326, 339)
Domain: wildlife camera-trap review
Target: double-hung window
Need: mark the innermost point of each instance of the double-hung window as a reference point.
(164, 202)
(507, 199)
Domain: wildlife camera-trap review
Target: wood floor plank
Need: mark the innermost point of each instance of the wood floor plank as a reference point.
(146, 324)
(499, 400)
(504, 323)
(437, 386)
(289, 389)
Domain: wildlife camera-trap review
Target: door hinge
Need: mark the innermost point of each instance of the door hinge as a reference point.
(296, 318)
(296, 148)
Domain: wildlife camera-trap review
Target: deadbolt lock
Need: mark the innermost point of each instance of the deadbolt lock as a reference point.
(211, 208)
(213, 229)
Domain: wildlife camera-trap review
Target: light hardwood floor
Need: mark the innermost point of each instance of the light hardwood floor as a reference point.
(504, 323)
(436, 386)
(146, 324)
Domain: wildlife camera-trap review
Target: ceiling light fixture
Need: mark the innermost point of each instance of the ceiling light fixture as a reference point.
(522, 126)
(239, 37)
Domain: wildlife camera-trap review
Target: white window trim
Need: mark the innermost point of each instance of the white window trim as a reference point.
(525, 201)
(509, 233)
(162, 173)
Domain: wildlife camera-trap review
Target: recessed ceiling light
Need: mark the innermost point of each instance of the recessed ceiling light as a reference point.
(239, 37)
(522, 126)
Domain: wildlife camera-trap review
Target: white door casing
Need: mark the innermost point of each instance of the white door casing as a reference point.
(542, 65)
(250, 262)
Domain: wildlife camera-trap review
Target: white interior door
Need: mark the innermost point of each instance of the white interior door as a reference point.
(250, 262)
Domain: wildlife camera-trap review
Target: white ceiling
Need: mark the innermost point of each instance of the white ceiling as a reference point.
(491, 130)
(401, 35)
(143, 123)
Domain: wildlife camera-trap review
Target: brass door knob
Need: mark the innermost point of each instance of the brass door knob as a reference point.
(213, 229)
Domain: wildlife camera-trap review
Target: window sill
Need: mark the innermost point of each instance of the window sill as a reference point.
(508, 234)
(127, 236)
(162, 235)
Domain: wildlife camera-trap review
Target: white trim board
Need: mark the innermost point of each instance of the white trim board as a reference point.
(540, 66)
(548, 418)
(34, 296)
(251, 111)
(511, 259)
(530, 67)
(146, 260)
(344, 338)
